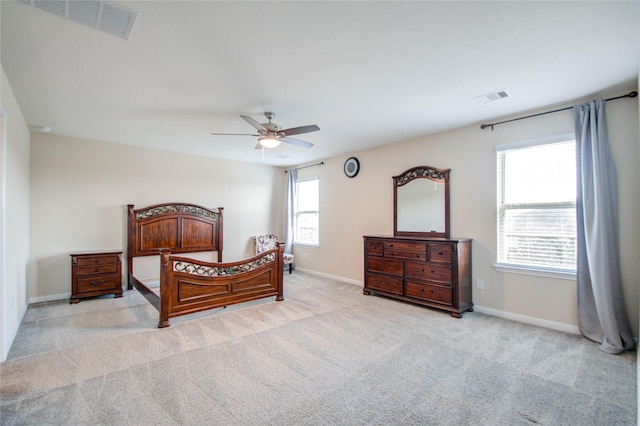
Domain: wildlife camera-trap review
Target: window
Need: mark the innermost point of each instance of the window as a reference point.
(537, 205)
(307, 214)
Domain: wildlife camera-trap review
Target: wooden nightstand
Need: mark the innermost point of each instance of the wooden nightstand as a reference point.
(95, 274)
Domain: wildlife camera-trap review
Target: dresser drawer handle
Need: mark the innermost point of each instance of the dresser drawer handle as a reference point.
(101, 282)
(440, 253)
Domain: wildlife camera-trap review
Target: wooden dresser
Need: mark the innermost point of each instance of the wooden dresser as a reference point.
(433, 272)
(95, 274)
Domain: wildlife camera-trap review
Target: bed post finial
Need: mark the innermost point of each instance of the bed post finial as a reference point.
(164, 254)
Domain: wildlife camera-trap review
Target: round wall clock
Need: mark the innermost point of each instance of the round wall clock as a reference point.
(351, 167)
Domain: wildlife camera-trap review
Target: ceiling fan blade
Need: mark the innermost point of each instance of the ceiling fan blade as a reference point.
(254, 123)
(300, 130)
(298, 142)
(233, 134)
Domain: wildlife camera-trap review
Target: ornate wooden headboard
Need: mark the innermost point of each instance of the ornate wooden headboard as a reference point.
(178, 227)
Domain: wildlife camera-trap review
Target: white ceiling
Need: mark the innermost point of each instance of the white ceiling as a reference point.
(367, 73)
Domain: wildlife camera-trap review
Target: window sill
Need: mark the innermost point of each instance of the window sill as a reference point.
(307, 245)
(539, 272)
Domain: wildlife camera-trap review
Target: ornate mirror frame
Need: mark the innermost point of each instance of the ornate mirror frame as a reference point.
(422, 172)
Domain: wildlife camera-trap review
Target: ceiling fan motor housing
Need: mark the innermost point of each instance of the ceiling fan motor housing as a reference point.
(272, 127)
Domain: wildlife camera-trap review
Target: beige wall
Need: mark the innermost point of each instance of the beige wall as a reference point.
(80, 189)
(351, 208)
(14, 215)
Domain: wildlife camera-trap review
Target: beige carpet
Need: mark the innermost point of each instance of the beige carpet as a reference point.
(326, 355)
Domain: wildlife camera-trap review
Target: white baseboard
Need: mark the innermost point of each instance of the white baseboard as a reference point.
(49, 298)
(567, 328)
(331, 277)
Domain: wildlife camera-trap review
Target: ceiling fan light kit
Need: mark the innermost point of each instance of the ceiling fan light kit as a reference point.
(270, 135)
(268, 142)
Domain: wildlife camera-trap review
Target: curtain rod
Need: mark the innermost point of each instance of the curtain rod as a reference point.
(310, 165)
(484, 126)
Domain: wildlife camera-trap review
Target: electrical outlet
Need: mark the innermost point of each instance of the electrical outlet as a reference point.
(479, 284)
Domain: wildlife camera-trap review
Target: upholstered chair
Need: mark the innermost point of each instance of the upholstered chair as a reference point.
(268, 242)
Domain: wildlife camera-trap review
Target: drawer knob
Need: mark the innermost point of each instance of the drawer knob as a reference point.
(440, 253)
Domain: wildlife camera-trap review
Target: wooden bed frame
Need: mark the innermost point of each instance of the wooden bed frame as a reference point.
(190, 285)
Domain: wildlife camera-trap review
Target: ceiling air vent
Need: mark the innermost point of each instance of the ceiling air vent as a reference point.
(492, 96)
(101, 15)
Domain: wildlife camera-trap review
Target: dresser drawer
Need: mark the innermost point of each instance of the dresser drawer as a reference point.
(374, 247)
(441, 253)
(432, 293)
(430, 272)
(97, 283)
(389, 266)
(405, 254)
(384, 283)
(403, 246)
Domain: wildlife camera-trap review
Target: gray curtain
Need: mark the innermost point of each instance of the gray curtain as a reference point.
(602, 316)
(292, 175)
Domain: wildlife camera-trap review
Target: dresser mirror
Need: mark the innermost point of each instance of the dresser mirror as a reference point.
(421, 202)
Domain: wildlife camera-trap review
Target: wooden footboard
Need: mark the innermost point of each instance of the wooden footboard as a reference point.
(188, 285)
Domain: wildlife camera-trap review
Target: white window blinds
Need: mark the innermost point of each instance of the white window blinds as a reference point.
(537, 205)
(307, 213)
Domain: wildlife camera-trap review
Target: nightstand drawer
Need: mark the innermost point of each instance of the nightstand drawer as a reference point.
(97, 283)
(97, 261)
(97, 269)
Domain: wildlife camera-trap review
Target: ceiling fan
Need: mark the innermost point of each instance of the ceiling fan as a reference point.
(270, 135)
